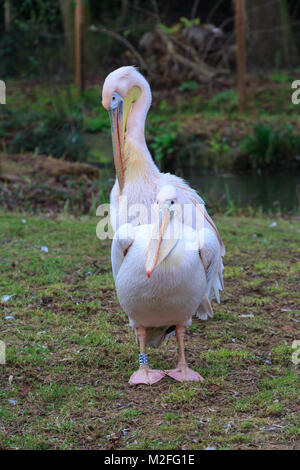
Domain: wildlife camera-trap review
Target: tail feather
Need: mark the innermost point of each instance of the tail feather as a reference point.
(217, 287)
(205, 309)
(211, 258)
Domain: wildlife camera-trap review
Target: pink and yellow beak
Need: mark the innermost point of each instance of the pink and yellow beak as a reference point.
(116, 123)
(154, 255)
(118, 112)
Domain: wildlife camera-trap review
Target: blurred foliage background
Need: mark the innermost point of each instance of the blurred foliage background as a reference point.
(187, 51)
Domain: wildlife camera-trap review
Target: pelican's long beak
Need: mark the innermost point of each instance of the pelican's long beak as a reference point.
(116, 123)
(160, 227)
(118, 114)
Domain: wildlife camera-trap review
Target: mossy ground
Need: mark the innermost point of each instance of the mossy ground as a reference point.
(70, 351)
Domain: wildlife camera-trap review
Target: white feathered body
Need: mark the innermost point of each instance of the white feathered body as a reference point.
(142, 183)
(178, 284)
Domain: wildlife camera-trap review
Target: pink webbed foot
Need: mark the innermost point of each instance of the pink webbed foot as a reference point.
(184, 373)
(146, 376)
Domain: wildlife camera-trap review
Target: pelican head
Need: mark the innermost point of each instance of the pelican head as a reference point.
(121, 90)
(165, 204)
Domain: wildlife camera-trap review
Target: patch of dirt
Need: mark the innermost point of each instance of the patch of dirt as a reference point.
(15, 167)
(48, 184)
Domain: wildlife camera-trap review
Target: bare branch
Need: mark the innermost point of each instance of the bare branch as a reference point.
(125, 41)
(213, 11)
(203, 71)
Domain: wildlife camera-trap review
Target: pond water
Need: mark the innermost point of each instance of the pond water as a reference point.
(270, 192)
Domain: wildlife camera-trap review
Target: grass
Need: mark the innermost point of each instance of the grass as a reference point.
(70, 351)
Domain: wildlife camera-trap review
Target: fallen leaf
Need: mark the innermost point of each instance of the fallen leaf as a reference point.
(113, 443)
(24, 390)
(288, 328)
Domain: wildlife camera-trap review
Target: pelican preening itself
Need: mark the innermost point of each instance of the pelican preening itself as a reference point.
(160, 282)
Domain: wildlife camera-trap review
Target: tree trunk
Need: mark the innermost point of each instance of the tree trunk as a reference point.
(124, 11)
(241, 52)
(8, 13)
(92, 52)
(269, 34)
(79, 44)
(68, 15)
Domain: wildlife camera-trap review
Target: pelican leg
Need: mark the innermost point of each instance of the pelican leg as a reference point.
(183, 372)
(144, 375)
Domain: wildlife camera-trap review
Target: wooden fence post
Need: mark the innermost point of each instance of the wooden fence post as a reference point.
(8, 10)
(79, 44)
(241, 53)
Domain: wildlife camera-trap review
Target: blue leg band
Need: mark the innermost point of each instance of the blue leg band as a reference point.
(143, 359)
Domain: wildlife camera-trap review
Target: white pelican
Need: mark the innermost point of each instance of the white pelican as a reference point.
(127, 96)
(161, 280)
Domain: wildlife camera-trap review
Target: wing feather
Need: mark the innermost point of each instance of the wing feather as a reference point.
(210, 255)
(189, 195)
(122, 241)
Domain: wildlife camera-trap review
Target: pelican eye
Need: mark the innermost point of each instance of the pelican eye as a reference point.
(115, 100)
(172, 202)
